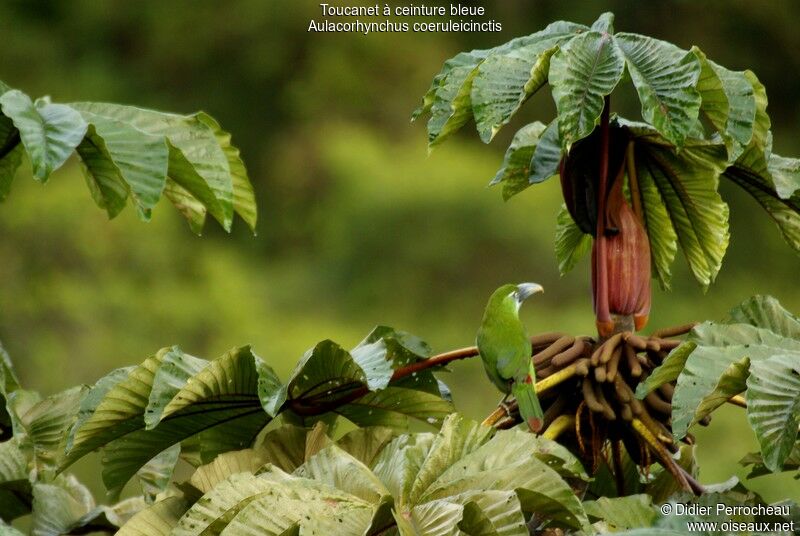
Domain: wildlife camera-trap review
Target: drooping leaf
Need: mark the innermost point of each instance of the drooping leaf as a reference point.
(665, 78)
(46, 423)
(571, 243)
(188, 205)
(516, 167)
(49, 132)
(121, 159)
(715, 105)
(510, 75)
(195, 159)
(582, 73)
(715, 362)
(773, 406)
(155, 475)
(451, 106)
(244, 201)
(546, 155)
(505, 82)
(686, 183)
(729, 103)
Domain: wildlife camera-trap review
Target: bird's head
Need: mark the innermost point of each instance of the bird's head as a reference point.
(510, 297)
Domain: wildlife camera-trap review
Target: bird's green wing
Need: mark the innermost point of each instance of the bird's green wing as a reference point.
(515, 358)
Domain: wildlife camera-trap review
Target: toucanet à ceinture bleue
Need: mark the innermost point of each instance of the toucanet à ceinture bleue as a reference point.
(505, 349)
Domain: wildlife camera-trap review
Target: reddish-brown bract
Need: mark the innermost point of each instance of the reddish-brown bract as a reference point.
(626, 258)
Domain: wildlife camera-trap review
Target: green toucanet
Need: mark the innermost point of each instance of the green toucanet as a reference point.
(505, 349)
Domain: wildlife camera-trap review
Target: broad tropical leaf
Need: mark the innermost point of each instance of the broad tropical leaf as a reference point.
(49, 132)
(15, 488)
(510, 75)
(367, 483)
(665, 78)
(715, 362)
(681, 202)
(119, 159)
(195, 159)
(622, 513)
(773, 406)
(516, 167)
(211, 407)
(129, 153)
(572, 244)
(582, 73)
(45, 423)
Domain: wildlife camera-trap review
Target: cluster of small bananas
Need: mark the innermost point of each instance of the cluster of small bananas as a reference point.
(587, 388)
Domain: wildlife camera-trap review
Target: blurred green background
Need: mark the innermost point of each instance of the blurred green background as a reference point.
(358, 225)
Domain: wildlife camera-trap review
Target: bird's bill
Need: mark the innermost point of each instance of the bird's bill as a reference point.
(526, 290)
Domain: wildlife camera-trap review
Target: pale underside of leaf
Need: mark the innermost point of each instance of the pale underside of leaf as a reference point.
(49, 132)
(773, 406)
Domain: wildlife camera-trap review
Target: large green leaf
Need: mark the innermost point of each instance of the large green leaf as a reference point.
(327, 374)
(225, 390)
(681, 202)
(49, 132)
(221, 397)
(157, 520)
(244, 200)
(622, 513)
(120, 159)
(774, 186)
(507, 78)
(729, 103)
(451, 106)
(196, 161)
(222, 405)
(465, 456)
(15, 488)
(665, 78)
(582, 73)
(466, 479)
(773, 406)
(45, 425)
(572, 244)
(715, 362)
(516, 167)
(513, 72)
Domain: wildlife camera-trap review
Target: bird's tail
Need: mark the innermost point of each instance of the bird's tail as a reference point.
(529, 407)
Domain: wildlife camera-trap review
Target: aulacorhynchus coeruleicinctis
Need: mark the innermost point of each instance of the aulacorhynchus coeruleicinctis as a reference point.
(505, 349)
